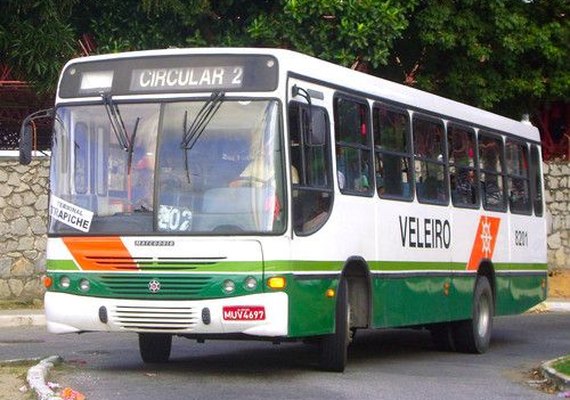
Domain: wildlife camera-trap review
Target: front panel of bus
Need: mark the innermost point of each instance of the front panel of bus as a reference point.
(166, 174)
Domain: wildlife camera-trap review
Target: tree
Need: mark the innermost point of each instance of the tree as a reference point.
(508, 56)
(505, 55)
(36, 38)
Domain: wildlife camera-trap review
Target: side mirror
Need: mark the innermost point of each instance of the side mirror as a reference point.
(26, 143)
(26, 134)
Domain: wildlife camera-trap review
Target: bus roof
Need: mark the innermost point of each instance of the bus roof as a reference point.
(332, 74)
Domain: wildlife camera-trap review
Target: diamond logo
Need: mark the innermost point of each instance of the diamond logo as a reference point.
(486, 238)
(154, 286)
(484, 243)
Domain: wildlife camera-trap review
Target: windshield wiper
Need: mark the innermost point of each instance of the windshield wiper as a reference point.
(117, 124)
(190, 135)
(204, 116)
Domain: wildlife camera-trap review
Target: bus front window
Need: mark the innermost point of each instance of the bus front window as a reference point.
(94, 172)
(162, 174)
(223, 177)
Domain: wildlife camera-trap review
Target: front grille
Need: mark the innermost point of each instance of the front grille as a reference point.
(161, 286)
(151, 264)
(154, 318)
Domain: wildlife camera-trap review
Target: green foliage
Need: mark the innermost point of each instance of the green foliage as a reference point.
(125, 25)
(36, 39)
(505, 55)
(339, 31)
(563, 365)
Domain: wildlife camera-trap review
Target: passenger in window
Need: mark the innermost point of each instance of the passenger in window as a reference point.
(294, 175)
(461, 153)
(392, 138)
(257, 173)
(489, 150)
(490, 159)
(361, 183)
(434, 171)
(461, 150)
(518, 196)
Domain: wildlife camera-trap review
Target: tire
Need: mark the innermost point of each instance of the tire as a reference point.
(474, 335)
(154, 347)
(334, 348)
(442, 336)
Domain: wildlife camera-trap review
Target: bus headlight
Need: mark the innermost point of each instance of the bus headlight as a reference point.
(250, 283)
(84, 285)
(64, 282)
(228, 286)
(277, 282)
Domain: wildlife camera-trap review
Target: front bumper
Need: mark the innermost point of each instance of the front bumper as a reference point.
(67, 313)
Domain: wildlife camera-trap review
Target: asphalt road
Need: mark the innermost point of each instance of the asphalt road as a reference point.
(392, 364)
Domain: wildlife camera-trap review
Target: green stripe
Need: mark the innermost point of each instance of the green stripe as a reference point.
(277, 266)
(224, 266)
(61, 265)
(520, 266)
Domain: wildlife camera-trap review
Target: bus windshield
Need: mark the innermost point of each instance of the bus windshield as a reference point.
(187, 167)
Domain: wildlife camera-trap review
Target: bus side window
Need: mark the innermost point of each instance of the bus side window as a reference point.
(462, 166)
(353, 144)
(311, 180)
(392, 152)
(429, 161)
(491, 172)
(518, 177)
(536, 179)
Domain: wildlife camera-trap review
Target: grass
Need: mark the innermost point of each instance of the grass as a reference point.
(563, 365)
(12, 378)
(17, 305)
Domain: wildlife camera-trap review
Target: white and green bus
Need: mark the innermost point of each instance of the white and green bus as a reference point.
(265, 194)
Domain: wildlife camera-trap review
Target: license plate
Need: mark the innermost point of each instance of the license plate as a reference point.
(244, 313)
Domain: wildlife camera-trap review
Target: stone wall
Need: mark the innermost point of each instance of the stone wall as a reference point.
(557, 197)
(23, 222)
(23, 227)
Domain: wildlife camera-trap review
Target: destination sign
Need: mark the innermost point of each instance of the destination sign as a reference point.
(198, 77)
(169, 74)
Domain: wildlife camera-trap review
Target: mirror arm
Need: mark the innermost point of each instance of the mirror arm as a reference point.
(298, 91)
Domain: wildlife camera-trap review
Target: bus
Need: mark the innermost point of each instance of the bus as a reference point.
(249, 193)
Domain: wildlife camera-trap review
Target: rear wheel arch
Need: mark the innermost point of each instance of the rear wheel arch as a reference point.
(357, 275)
(487, 269)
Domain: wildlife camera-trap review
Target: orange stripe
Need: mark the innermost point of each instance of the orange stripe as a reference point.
(484, 243)
(100, 253)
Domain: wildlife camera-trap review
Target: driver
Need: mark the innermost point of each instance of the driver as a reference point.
(256, 173)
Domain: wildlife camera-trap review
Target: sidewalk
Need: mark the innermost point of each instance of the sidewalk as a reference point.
(23, 317)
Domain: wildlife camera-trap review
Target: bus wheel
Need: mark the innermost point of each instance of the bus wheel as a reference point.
(474, 335)
(155, 347)
(334, 348)
(442, 336)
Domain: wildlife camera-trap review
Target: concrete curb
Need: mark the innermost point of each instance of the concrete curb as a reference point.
(37, 378)
(558, 306)
(551, 306)
(562, 381)
(14, 318)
